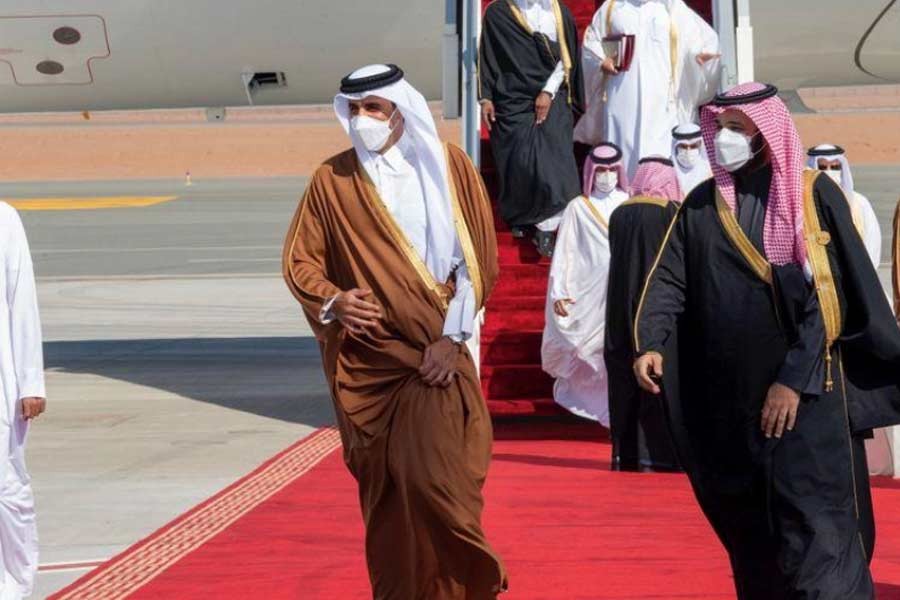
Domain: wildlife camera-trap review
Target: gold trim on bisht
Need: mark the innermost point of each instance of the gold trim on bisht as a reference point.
(402, 241)
(563, 47)
(741, 243)
(660, 202)
(817, 255)
(649, 279)
(465, 236)
(564, 55)
(595, 213)
(519, 17)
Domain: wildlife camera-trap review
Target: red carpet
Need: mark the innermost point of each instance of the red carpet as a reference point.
(511, 375)
(567, 528)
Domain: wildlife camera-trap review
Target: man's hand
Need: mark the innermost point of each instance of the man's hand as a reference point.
(780, 410)
(488, 115)
(609, 66)
(559, 307)
(354, 312)
(439, 363)
(705, 57)
(542, 107)
(647, 368)
(33, 407)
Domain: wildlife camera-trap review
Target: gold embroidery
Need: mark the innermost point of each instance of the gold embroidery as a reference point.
(560, 36)
(661, 202)
(817, 255)
(858, 220)
(519, 17)
(739, 240)
(406, 247)
(596, 213)
(673, 54)
(465, 236)
(605, 76)
(662, 247)
(563, 47)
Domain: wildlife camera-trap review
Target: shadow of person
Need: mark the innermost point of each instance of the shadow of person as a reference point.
(276, 377)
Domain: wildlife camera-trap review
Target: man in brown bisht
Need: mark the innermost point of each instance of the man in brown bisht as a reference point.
(392, 254)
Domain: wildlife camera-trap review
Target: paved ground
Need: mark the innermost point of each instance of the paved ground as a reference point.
(213, 227)
(177, 361)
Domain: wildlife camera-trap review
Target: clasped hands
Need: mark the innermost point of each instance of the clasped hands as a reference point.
(779, 413)
(357, 313)
(542, 105)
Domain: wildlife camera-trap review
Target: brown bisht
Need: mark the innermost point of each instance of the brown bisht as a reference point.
(420, 454)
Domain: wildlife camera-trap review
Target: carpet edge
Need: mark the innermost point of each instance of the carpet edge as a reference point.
(83, 588)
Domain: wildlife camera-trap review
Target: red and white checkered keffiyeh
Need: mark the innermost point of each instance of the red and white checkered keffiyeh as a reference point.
(606, 155)
(783, 228)
(656, 179)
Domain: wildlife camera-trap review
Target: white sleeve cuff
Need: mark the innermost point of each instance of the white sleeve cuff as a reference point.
(31, 384)
(555, 80)
(461, 312)
(326, 315)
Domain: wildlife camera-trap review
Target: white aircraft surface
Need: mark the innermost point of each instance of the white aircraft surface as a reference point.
(61, 55)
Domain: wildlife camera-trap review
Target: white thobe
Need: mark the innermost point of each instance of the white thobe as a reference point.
(399, 186)
(866, 222)
(22, 376)
(541, 18)
(572, 348)
(644, 103)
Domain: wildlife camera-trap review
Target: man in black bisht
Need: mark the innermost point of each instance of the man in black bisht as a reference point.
(530, 82)
(787, 356)
(639, 421)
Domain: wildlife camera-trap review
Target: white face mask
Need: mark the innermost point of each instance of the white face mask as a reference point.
(733, 149)
(606, 181)
(836, 176)
(687, 157)
(373, 133)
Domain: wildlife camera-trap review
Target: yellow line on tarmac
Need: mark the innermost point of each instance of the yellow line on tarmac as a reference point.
(87, 203)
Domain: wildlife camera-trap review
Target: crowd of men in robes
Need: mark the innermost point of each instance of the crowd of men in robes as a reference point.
(699, 212)
(713, 299)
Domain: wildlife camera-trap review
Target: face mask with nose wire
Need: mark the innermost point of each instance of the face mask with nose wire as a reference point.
(373, 133)
(733, 149)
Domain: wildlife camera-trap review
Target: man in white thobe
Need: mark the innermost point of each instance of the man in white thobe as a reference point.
(572, 349)
(832, 160)
(689, 157)
(22, 376)
(675, 69)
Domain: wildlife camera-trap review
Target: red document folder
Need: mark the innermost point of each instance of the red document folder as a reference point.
(621, 49)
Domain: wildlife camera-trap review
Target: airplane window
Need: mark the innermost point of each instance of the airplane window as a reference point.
(67, 36)
(49, 67)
